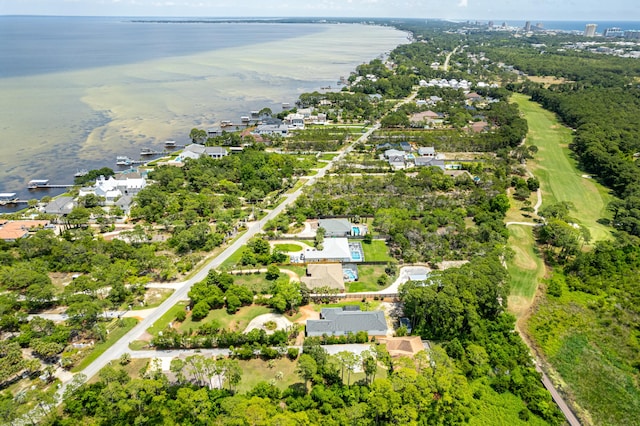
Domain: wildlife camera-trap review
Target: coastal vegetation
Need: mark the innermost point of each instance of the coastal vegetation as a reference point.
(476, 368)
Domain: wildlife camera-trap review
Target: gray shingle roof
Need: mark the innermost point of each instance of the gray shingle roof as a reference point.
(340, 322)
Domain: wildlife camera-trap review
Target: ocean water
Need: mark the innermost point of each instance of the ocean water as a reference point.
(76, 92)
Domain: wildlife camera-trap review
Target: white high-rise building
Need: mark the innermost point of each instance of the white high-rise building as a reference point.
(590, 30)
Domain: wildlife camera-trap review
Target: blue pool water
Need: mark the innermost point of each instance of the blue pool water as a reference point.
(356, 255)
(355, 230)
(350, 275)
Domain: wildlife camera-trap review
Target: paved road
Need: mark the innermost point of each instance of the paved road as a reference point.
(445, 67)
(564, 407)
(182, 289)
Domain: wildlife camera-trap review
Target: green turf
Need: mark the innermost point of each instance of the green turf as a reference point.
(367, 279)
(560, 180)
(165, 319)
(100, 348)
(257, 283)
(377, 251)
(285, 248)
(526, 268)
(237, 321)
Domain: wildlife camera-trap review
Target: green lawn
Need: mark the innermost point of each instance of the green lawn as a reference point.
(367, 279)
(327, 157)
(100, 348)
(560, 180)
(377, 251)
(232, 261)
(288, 247)
(526, 268)
(237, 321)
(168, 317)
(257, 283)
(256, 370)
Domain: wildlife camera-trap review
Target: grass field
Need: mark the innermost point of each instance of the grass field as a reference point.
(237, 321)
(257, 283)
(560, 180)
(377, 251)
(256, 370)
(526, 268)
(367, 278)
(290, 247)
(592, 355)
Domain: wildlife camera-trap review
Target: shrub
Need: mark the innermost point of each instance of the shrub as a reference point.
(293, 353)
(200, 310)
(181, 316)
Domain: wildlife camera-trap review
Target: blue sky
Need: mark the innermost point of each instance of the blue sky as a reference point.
(627, 10)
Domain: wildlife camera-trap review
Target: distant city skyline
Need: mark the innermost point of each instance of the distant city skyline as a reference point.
(522, 10)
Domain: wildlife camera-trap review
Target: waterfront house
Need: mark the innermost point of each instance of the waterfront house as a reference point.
(60, 206)
(196, 151)
(272, 129)
(114, 187)
(347, 320)
(295, 121)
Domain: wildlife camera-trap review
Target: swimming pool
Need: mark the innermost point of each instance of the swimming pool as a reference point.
(349, 275)
(355, 230)
(355, 255)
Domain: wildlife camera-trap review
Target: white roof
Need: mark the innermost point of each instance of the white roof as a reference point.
(333, 248)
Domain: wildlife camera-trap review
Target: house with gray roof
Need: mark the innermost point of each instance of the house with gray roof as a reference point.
(427, 151)
(347, 320)
(429, 162)
(272, 129)
(196, 151)
(336, 227)
(60, 206)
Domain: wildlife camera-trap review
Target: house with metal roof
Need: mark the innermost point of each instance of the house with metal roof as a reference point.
(347, 320)
(336, 227)
(335, 250)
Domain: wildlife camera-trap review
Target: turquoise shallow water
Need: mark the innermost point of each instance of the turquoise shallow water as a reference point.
(102, 88)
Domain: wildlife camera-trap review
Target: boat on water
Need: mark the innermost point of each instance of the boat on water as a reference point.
(8, 198)
(80, 173)
(170, 144)
(38, 183)
(123, 160)
(147, 151)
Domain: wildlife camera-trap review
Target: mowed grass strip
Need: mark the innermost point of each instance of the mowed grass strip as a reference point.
(526, 268)
(560, 180)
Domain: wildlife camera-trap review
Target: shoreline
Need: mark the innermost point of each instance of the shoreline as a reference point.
(118, 110)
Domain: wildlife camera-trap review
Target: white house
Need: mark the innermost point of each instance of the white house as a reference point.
(196, 151)
(272, 129)
(113, 188)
